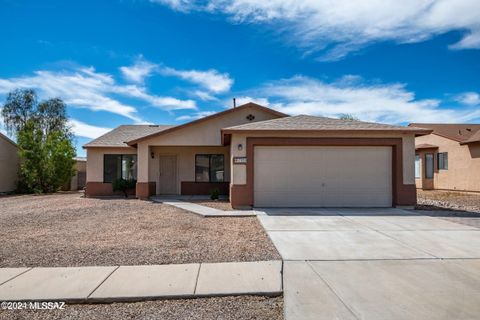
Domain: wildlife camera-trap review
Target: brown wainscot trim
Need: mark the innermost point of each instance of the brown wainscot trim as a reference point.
(203, 188)
(145, 190)
(402, 194)
(103, 189)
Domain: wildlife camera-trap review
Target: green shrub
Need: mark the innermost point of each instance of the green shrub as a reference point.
(124, 185)
(214, 194)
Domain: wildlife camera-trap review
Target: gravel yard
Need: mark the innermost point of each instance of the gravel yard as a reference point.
(225, 308)
(449, 200)
(459, 207)
(69, 230)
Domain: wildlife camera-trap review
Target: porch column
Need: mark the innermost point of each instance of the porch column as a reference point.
(145, 188)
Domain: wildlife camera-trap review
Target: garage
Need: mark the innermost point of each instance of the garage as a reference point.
(322, 176)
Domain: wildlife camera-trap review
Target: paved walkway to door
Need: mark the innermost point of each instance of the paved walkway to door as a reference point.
(375, 264)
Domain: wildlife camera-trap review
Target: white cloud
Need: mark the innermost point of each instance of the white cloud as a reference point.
(81, 129)
(194, 116)
(212, 80)
(342, 26)
(86, 88)
(138, 71)
(246, 99)
(468, 98)
(387, 103)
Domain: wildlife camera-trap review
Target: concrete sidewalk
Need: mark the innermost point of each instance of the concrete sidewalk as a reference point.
(203, 211)
(136, 283)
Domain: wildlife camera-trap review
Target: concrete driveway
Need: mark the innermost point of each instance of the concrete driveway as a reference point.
(375, 264)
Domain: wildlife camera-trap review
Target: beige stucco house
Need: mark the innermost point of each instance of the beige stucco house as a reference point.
(448, 158)
(8, 164)
(261, 157)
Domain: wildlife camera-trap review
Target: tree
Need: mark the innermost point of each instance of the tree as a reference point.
(346, 116)
(44, 139)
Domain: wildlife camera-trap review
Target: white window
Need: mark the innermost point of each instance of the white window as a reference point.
(417, 166)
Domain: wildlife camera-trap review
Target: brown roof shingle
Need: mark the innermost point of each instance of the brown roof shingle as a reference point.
(305, 122)
(118, 136)
(461, 132)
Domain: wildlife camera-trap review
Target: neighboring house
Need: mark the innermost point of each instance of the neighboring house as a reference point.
(8, 164)
(261, 157)
(448, 158)
(78, 181)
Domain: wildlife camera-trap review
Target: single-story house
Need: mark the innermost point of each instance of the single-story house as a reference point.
(261, 157)
(8, 164)
(448, 158)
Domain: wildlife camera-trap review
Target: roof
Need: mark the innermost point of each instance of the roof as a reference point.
(313, 123)
(120, 135)
(460, 132)
(425, 146)
(215, 115)
(81, 159)
(474, 138)
(7, 139)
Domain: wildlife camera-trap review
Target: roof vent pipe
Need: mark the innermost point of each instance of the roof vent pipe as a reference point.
(234, 102)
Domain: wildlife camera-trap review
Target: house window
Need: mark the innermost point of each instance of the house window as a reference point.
(442, 160)
(119, 166)
(417, 166)
(429, 166)
(209, 168)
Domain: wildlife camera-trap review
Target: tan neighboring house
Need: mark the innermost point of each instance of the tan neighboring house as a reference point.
(262, 158)
(448, 158)
(78, 181)
(8, 164)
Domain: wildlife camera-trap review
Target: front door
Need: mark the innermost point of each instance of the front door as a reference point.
(167, 175)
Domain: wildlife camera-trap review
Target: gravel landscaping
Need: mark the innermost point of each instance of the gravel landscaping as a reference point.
(459, 207)
(69, 230)
(225, 308)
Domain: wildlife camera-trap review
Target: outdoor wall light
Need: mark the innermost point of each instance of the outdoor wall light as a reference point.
(240, 147)
(152, 154)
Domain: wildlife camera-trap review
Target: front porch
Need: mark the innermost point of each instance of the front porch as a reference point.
(182, 170)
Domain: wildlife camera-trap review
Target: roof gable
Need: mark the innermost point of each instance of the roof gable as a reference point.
(231, 111)
(460, 132)
(4, 137)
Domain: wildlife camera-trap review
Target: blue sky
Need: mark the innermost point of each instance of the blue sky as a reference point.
(171, 61)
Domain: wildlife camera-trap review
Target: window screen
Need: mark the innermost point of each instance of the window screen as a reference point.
(443, 160)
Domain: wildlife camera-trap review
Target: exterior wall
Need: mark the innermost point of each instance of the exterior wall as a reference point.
(239, 174)
(80, 167)
(94, 166)
(185, 165)
(463, 164)
(9, 165)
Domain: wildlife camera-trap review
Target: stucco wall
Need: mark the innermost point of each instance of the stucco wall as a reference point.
(185, 162)
(239, 171)
(95, 161)
(208, 133)
(8, 165)
(463, 164)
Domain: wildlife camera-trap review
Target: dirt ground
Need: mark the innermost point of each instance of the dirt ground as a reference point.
(226, 308)
(69, 230)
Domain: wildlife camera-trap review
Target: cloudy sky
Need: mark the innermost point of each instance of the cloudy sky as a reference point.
(170, 61)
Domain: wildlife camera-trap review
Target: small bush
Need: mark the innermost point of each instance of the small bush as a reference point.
(214, 194)
(124, 185)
